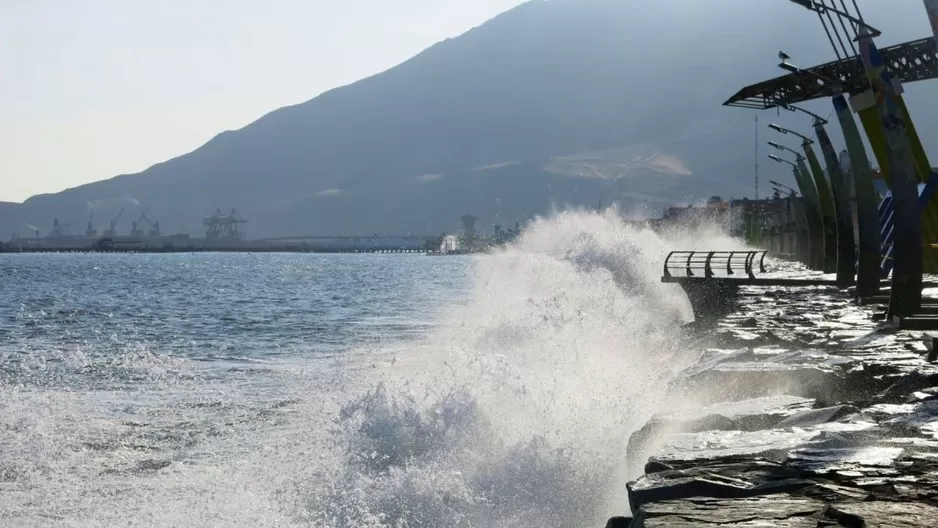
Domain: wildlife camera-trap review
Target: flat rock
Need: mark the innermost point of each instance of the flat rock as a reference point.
(884, 514)
(813, 416)
(782, 510)
(715, 486)
(747, 415)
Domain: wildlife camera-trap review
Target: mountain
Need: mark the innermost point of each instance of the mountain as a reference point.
(553, 103)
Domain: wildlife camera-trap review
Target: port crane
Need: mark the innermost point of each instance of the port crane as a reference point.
(222, 227)
(112, 231)
(137, 230)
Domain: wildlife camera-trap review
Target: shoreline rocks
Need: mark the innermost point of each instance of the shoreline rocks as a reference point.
(809, 414)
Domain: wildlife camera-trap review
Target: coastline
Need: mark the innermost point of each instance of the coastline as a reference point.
(804, 412)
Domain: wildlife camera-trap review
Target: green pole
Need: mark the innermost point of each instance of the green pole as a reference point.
(826, 198)
(805, 240)
(846, 250)
(809, 190)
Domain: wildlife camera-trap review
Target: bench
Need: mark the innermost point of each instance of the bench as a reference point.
(697, 263)
(711, 279)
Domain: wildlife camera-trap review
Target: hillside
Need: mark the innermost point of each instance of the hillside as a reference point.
(550, 104)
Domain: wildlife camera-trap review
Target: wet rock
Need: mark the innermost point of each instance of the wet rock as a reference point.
(729, 477)
(738, 381)
(746, 415)
(908, 384)
(782, 510)
(665, 489)
(864, 454)
(776, 338)
(815, 416)
(656, 466)
(883, 514)
(930, 393)
(931, 346)
(619, 522)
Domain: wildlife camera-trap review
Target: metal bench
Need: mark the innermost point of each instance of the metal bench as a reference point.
(702, 263)
(711, 279)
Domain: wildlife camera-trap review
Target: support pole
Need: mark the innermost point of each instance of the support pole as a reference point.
(818, 233)
(846, 249)
(870, 241)
(931, 8)
(805, 215)
(864, 104)
(906, 293)
(826, 196)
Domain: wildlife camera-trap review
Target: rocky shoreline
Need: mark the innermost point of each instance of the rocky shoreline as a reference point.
(804, 412)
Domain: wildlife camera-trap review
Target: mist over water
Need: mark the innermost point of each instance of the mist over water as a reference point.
(502, 394)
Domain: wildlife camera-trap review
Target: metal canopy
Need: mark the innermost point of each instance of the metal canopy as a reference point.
(909, 62)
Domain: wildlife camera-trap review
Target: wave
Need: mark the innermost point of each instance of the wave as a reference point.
(513, 409)
(520, 412)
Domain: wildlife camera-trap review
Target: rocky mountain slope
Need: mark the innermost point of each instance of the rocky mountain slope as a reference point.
(554, 103)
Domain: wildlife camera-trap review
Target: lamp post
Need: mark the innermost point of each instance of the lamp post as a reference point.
(794, 220)
(781, 160)
(844, 254)
(868, 229)
(791, 192)
(783, 147)
(825, 201)
(783, 130)
(792, 108)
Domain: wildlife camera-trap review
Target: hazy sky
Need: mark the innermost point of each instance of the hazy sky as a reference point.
(96, 88)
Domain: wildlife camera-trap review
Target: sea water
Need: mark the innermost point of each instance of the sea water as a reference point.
(399, 391)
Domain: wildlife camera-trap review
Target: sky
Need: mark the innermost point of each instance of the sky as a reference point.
(96, 88)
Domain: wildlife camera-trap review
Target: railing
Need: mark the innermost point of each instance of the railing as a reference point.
(695, 263)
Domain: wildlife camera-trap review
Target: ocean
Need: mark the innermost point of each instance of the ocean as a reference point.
(338, 391)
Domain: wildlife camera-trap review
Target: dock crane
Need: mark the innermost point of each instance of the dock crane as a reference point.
(113, 229)
(154, 226)
(91, 232)
(135, 230)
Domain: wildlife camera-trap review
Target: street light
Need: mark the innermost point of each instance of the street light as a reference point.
(821, 9)
(818, 120)
(783, 130)
(783, 147)
(787, 188)
(773, 157)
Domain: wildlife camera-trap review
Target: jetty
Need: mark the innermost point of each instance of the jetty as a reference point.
(814, 401)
